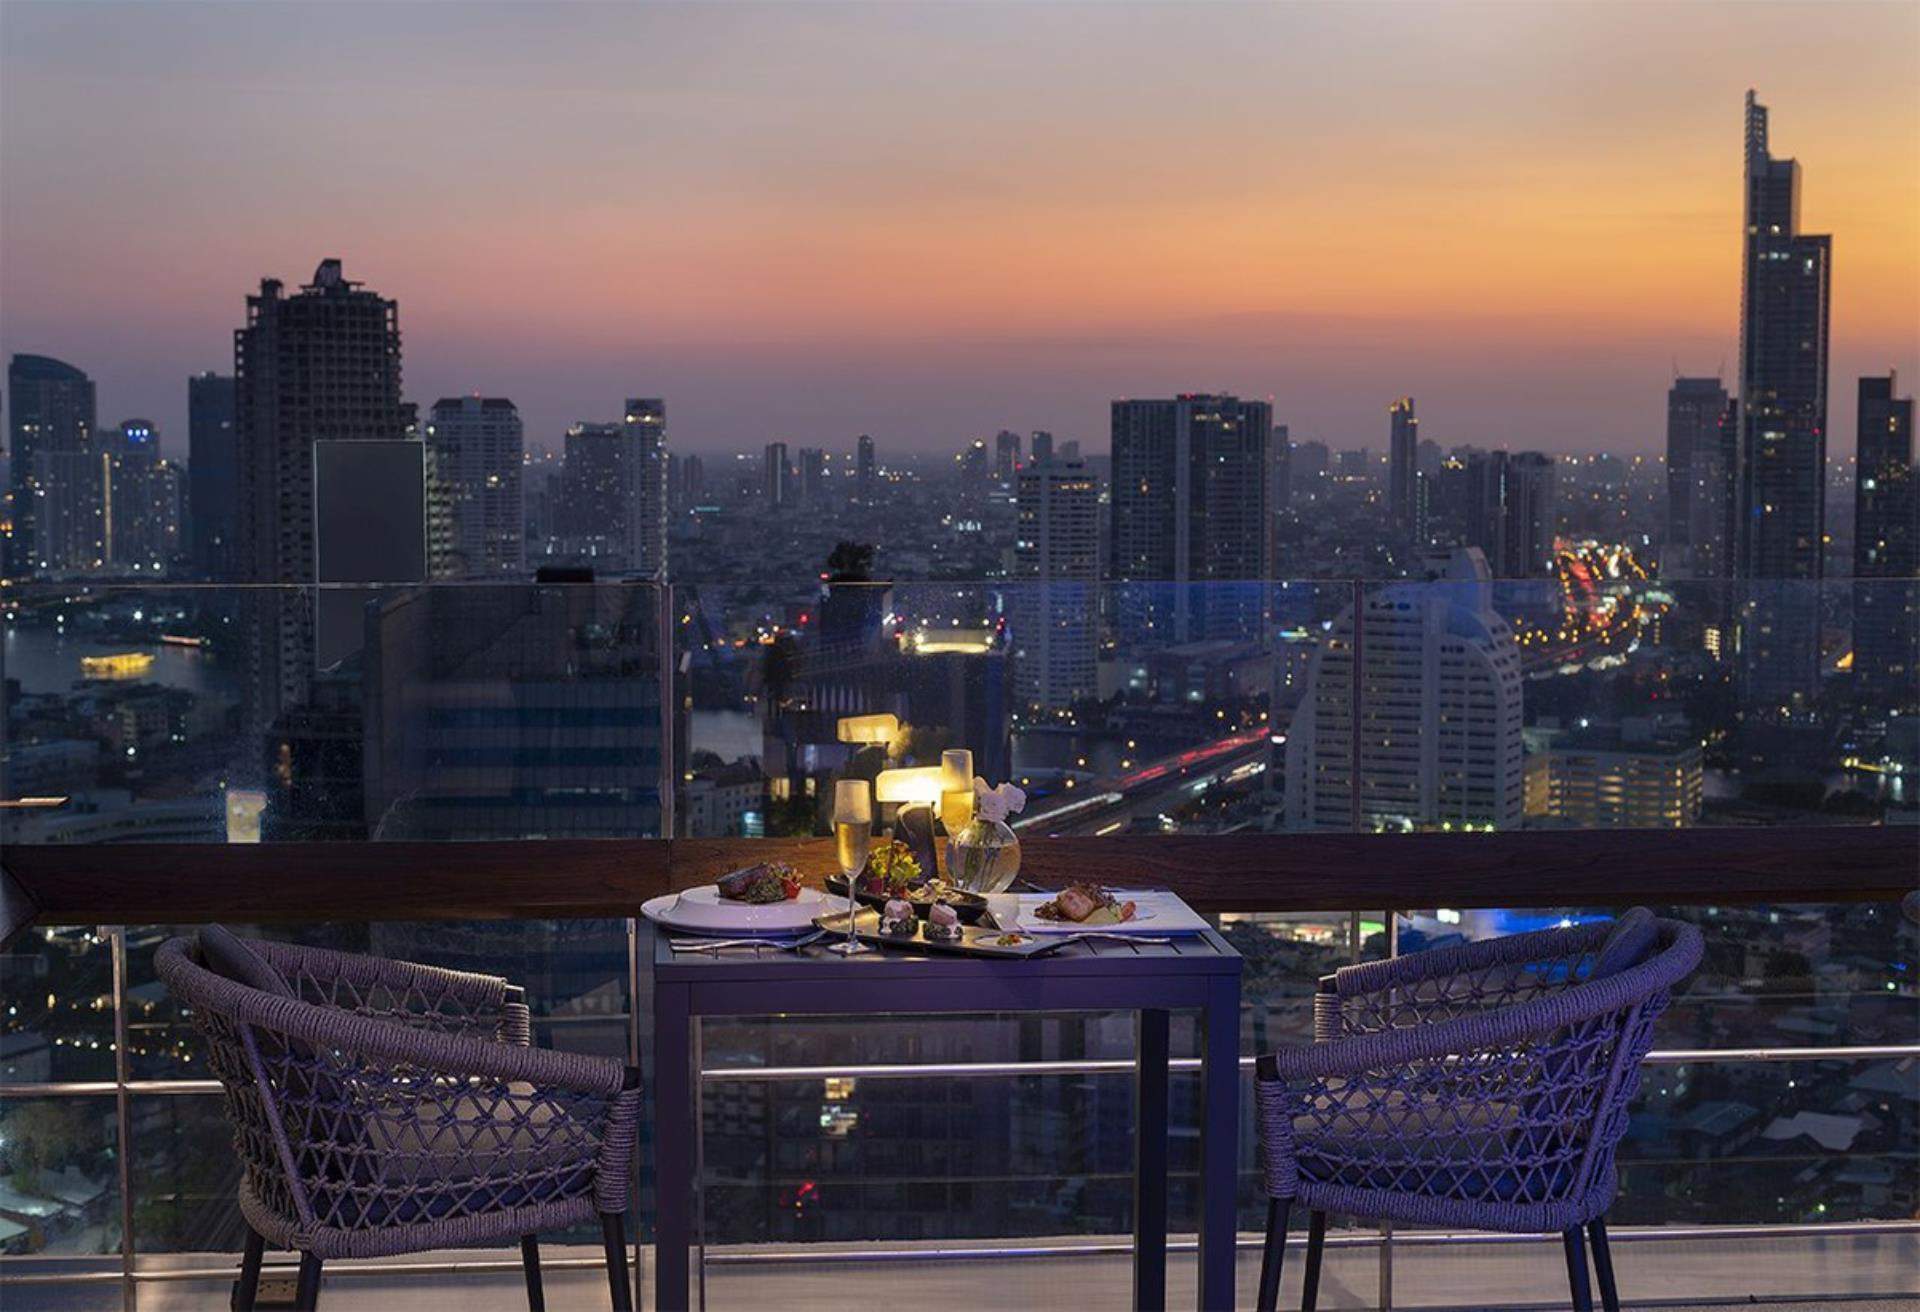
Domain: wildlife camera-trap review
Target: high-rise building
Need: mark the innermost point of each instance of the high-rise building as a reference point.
(813, 476)
(1190, 536)
(58, 526)
(1056, 568)
(1530, 515)
(1439, 705)
(475, 452)
(1280, 461)
(142, 501)
(1785, 293)
(213, 467)
(1006, 457)
(865, 470)
(320, 365)
(1040, 446)
(1701, 458)
(777, 477)
(1310, 464)
(1403, 469)
(1886, 545)
(645, 421)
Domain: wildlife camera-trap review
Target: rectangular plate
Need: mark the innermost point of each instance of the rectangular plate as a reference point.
(973, 941)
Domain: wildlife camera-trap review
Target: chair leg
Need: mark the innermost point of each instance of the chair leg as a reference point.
(1274, 1253)
(530, 1263)
(1577, 1269)
(1603, 1264)
(613, 1232)
(306, 1295)
(1316, 1248)
(247, 1288)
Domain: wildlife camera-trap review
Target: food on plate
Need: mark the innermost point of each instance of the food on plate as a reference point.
(770, 881)
(890, 868)
(1012, 940)
(898, 917)
(1084, 903)
(943, 923)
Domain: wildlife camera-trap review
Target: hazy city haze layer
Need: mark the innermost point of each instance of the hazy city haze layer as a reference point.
(929, 222)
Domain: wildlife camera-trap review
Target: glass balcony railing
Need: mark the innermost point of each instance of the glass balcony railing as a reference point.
(1782, 1105)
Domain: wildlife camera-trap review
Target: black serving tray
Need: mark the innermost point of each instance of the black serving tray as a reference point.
(973, 941)
(968, 906)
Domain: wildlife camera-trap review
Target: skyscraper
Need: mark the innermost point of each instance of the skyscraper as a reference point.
(1006, 457)
(54, 477)
(1403, 469)
(1529, 511)
(475, 453)
(142, 501)
(865, 470)
(1785, 293)
(1280, 461)
(320, 365)
(777, 477)
(1056, 567)
(813, 476)
(1190, 535)
(645, 421)
(213, 468)
(1886, 545)
(1439, 717)
(1701, 458)
(1040, 446)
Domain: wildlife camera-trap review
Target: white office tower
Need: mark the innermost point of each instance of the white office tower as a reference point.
(475, 452)
(1056, 567)
(1439, 712)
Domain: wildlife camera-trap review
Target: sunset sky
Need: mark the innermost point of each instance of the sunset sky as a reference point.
(929, 222)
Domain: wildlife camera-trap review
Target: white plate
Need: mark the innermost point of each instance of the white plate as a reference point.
(703, 911)
(1155, 912)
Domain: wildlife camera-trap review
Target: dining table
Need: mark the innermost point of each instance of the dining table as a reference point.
(1196, 970)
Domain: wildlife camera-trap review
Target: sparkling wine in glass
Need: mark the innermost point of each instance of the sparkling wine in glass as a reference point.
(852, 832)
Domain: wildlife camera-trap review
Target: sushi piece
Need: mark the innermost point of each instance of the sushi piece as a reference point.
(943, 923)
(898, 918)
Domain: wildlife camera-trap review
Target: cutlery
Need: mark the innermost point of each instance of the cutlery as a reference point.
(779, 944)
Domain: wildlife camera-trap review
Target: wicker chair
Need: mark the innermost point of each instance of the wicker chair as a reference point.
(1484, 1086)
(382, 1107)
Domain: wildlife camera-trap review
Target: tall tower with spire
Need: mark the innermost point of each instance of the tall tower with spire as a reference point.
(1785, 295)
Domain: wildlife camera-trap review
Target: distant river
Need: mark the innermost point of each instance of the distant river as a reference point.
(46, 659)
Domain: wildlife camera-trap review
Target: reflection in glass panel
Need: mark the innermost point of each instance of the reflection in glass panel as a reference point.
(59, 1177)
(56, 1007)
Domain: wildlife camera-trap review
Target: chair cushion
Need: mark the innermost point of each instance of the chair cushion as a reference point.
(224, 954)
(1627, 944)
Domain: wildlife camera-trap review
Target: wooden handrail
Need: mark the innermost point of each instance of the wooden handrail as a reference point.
(568, 878)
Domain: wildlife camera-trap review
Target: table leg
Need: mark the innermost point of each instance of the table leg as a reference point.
(1219, 1144)
(674, 1125)
(1150, 1161)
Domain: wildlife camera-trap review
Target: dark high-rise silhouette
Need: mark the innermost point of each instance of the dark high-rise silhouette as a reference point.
(476, 450)
(54, 479)
(1886, 546)
(1701, 459)
(320, 365)
(1189, 508)
(865, 470)
(213, 472)
(777, 477)
(1786, 278)
(1403, 468)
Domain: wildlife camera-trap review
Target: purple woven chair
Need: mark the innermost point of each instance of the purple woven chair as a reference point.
(1484, 1086)
(382, 1107)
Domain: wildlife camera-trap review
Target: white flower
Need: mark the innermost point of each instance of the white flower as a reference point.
(997, 803)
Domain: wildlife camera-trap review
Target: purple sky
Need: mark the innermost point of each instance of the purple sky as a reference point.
(929, 222)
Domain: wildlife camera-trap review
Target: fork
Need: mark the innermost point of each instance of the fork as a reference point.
(778, 944)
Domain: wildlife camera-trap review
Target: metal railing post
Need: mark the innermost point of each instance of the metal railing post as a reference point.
(123, 1114)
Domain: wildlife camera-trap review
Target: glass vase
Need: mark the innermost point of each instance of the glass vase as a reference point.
(983, 857)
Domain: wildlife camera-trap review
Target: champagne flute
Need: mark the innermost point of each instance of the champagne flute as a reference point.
(852, 831)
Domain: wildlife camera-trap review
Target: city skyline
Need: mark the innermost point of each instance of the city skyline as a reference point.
(1029, 234)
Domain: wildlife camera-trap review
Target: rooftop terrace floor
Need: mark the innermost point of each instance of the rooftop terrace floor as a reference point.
(1875, 1273)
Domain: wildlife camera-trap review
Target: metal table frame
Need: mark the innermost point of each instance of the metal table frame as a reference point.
(1200, 973)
